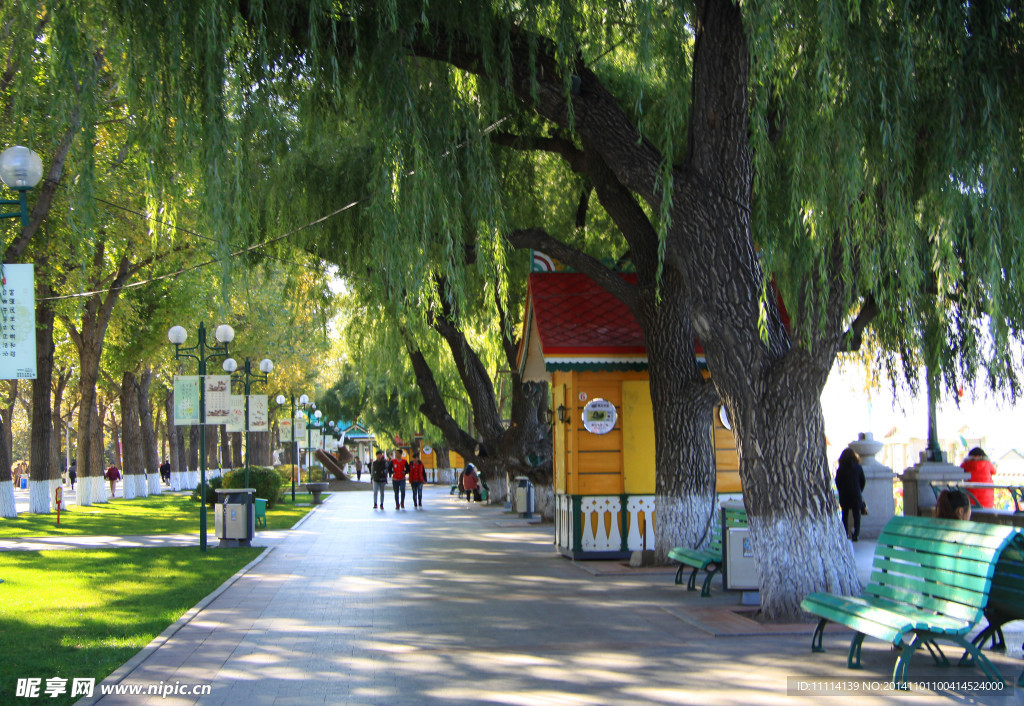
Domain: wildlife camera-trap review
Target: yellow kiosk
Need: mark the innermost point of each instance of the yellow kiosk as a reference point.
(588, 346)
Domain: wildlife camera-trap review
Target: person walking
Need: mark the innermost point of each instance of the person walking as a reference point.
(73, 473)
(417, 477)
(165, 471)
(981, 471)
(113, 475)
(379, 478)
(470, 481)
(850, 483)
(398, 468)
(359, 468)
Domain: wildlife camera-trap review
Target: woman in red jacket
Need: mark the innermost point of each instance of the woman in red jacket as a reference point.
(470, 481)
(981, 470)
(417, 477)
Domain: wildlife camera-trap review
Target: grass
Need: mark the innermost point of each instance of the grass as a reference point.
(81, 614)
(157, 514)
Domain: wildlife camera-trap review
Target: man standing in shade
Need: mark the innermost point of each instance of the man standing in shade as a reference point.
(379, 478)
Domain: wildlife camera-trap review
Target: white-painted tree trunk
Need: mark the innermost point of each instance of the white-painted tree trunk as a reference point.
(99, 489)
(141, 486)
(816, 544)
(156, 487)
(39, 496)
(128, 486)
(688, 521)
(193, 480)
(83, 493)
(7, 507)
(177, 482)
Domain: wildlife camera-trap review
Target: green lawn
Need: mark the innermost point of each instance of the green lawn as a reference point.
(81, 614)
(157, 514)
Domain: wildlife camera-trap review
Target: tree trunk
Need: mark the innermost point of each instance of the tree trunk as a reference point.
(225, 449)
(237, 460)
(150, 456)
(44, 476)
(7, 507)
(133, 469)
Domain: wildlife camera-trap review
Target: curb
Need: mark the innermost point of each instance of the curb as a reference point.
(122, 672)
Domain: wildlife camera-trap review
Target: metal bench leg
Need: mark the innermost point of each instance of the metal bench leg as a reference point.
(819, 633)
(899, 673)
(679, 573)
(705, 591)
(853, 659)
(691, 585)
(981, 660)
(936, 652)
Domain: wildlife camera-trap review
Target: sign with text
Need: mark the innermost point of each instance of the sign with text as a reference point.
(259, 413)
(236, 420)
(218, 398)
(18, 323)
(284, 430)
(186, 400)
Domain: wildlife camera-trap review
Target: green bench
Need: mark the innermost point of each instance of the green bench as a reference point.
(930, 581)
(708, 559)
(1005, 599)
(261, 512)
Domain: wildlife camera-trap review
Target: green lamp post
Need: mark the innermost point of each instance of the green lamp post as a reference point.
(201, 353)
(20, 170)
(247, 377)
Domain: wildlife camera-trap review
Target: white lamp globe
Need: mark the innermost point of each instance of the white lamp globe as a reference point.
(20, 167)
(177, 335)
(230, 365)
(318, 414)
(304, 399)
(224, 333)
(280, 399)
(266, 365)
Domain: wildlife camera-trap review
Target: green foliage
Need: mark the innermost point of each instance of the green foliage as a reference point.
(266, 481)
(209, 491)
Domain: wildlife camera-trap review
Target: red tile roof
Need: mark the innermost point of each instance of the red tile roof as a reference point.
(575, 316)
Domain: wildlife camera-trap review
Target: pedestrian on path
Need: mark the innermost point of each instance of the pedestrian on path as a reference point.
(165, 471)
(113, 475)
(379, 478)
(850, 483)
(470, 481)
(73, 473)
(417, 477)
(398, 467)
(359, 468)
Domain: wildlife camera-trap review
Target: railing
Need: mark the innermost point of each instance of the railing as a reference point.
(1016, 491)
(604, 524)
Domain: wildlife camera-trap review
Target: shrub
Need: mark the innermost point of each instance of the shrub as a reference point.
(285, 471)
(266, 481)
(211, 495)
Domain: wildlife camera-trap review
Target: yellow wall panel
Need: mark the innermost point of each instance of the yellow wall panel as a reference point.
(599, 462)
(600, 484)
(638, 459)
(612, 441)
(455, 460)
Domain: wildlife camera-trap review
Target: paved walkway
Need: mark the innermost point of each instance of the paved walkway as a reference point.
(466, 605)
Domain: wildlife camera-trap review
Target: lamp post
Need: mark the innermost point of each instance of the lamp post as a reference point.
(247, 378)
(201, 353)
(281, 400)
(314, 423)
(20, 169)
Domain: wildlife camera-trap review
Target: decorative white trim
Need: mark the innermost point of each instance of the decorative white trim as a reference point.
(8, 508)
(640, 534)
(550, 359)
(39, 496)
(600, 522)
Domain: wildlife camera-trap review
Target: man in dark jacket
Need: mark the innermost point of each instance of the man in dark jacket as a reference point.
(379, 478)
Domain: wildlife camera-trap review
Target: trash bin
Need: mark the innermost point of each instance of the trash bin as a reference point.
(24, 482)
(523, 496)
(235, 516)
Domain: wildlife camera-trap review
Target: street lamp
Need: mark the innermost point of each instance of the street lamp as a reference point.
(201, 353)
(247, 378)
(295, 440)
(20, 169)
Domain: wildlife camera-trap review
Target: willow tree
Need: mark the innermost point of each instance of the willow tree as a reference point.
(760, 142)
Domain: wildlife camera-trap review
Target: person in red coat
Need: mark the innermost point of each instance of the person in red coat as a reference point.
(981, 470)
(470, 481)
(398, 468)
(417, 477)
(113, 475)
